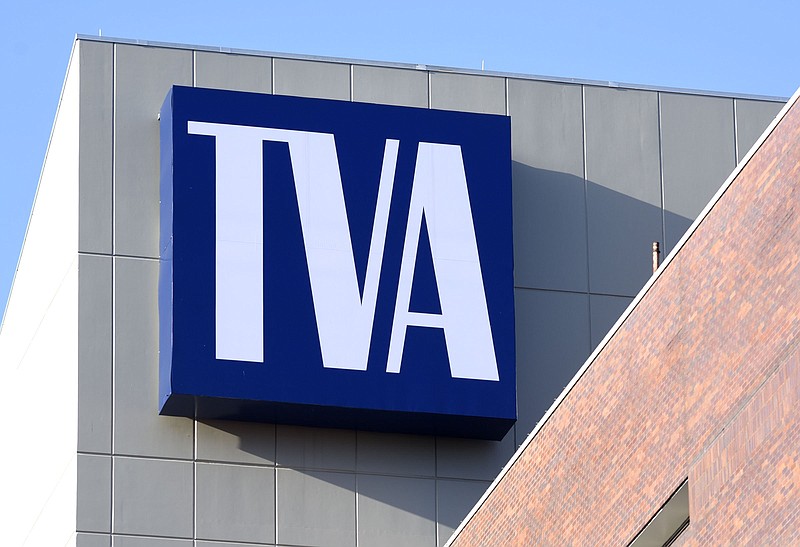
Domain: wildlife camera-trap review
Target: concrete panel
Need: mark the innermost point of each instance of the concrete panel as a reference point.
(316, 508)
(143, 75)
(550, 242)
(237, 442)
(752, 118)
(133, 541)
(605, 310)
(235, 503)
(622, 142)
(138, 429)
(549, 194)
(94, 353)
(623, 189)
(312, 79)
(552, 343)
(468, 93)
(318, 448)
(454, 500)
(153, 497)
(546, 125)
(237, 72)
(94, 493)
(95, 141)
(396, 454)
(622, 230)
(396, 86)
(92, 540)
(471, 458)
(698, 155)
(396, 511)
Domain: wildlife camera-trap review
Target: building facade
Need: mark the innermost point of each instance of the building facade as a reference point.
(689, 421)
(600, 171)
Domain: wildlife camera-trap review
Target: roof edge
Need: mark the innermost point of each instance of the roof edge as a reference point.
(432, 68)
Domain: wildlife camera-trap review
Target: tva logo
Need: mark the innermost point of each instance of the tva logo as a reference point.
(337, 264)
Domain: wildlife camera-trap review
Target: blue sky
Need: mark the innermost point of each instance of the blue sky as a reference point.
(734, 46)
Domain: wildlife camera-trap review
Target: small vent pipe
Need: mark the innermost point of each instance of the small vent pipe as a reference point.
(656, 256)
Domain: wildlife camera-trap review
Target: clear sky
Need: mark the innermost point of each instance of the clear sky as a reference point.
(739, 46)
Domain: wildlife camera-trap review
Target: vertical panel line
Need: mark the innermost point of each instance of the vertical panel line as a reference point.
(272, 75)
(664, 249)
(586, 211)
(430, 89)
(737, 157)
(113, 288)
(356, 488)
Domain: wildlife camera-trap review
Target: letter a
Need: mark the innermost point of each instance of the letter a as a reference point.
(440, 192)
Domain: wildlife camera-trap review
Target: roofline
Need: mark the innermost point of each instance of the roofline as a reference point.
(628, 311)
(431, 68)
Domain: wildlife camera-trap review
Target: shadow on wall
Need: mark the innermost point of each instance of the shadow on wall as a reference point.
(582, 251)
(573, 234)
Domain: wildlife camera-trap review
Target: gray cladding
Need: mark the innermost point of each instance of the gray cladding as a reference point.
(142, 77)
(95, 147)
(94, 353)
(390, 86)
(698, 151)
(237, 72)
(752, 117)
(598, 174)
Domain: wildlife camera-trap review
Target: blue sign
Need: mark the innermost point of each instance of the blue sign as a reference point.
(336, 264)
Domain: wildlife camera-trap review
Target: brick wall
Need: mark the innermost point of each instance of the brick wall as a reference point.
(701, 380)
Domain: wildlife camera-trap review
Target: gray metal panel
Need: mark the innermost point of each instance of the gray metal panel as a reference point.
(319, 448)
(396, 511)
(390, 86)
(546, 125)
(550, 241)
(311, 79)
(752, 118)
(237, 72)
(94, 493)
(698, 155)
(621, 235)
(316, 508)
(92, 540)
(142, 78)
(605, 310)
(454, 499)
(133, 541)
(472, 459)
(552, 344)
(623, 188)
(549, 199)
(95, 152)
(94, 353)
(237, 442)
(235, 502)
(468, 93)
(622, 142)
(138, 429)
(157, 498)
(396, 454)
